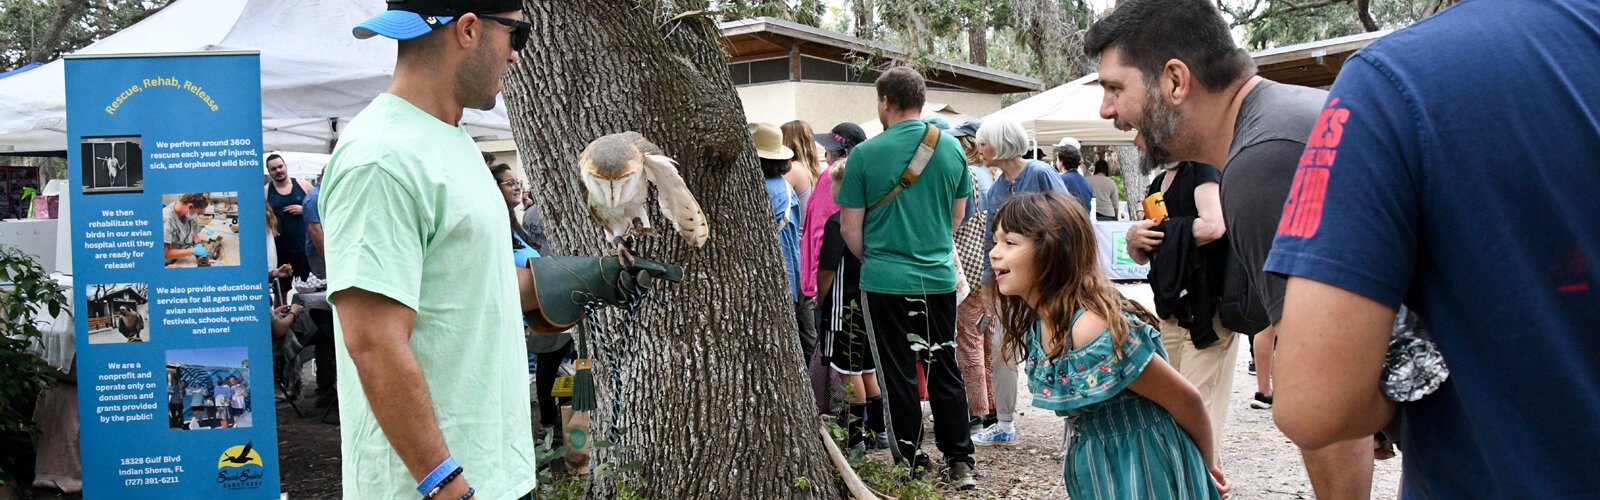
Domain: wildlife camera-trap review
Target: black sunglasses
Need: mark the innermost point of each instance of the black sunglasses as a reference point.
(520, 30)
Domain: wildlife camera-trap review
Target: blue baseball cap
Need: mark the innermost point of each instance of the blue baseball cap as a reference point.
(407, 19)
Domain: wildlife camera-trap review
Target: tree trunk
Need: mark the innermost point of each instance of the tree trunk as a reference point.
(48, 45)
(864, 20)
(708, 385)
(978, 44)
(1134, 179)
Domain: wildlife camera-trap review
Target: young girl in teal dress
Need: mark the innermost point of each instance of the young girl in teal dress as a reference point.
(1092, 356)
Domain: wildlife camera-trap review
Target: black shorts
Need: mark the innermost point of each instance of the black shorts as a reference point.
(845, 339)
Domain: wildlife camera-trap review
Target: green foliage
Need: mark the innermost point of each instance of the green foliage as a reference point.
(1275, 23)
(807, 12)
(556, 484)
(22, 375)
(25, 34)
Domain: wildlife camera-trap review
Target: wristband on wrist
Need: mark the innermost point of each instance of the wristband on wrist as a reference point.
(441, 474)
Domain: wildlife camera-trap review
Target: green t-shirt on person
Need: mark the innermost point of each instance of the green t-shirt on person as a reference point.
(908, 241)
(411, 213)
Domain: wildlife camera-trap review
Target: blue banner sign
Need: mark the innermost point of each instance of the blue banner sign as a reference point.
(170, 276)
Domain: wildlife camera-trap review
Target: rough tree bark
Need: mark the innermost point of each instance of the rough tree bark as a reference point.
(1134, 179)
(708, 387)
(978, 44)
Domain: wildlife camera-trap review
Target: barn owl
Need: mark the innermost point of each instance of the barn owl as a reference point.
(614, 169)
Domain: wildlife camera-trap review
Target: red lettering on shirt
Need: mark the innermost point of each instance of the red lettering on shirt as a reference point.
(1302, 212)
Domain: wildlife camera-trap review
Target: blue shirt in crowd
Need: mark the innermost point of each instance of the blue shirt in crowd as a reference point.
(309, 211)
(982, 180)
(786, 221)
(1036, 176)
(520, 256)
(1468, 193)
(1079, 187)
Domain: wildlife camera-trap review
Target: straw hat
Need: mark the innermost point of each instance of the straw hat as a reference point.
(769, 142)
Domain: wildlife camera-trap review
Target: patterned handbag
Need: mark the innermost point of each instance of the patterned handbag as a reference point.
(969, 238)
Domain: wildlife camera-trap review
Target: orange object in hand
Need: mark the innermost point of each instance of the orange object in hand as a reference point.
(1155, 207)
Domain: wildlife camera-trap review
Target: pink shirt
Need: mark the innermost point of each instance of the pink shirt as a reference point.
(818, 209)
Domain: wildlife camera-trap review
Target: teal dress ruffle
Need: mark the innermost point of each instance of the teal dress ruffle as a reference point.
(1125, 446)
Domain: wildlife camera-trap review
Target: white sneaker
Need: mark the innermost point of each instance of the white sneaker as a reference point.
(993, 436)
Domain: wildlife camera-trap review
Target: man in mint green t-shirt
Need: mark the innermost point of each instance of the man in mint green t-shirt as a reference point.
(433, 387)
(908, 278)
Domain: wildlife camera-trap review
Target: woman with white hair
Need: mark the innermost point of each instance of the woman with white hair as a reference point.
(1001, 144)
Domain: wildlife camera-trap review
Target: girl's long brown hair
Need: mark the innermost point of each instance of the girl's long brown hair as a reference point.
(1066, 256)
(797, 136)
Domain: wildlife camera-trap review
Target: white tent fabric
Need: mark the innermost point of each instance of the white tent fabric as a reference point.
(314, 75)
(1070, 110)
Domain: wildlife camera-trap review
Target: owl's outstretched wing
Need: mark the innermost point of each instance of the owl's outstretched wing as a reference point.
(677, 203)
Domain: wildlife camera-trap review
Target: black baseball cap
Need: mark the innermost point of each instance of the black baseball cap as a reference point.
(407, 19)
(843, 137)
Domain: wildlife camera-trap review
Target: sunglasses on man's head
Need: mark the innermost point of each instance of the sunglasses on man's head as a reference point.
(520, 30)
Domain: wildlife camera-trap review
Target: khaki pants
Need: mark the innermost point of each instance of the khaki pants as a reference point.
(1210, 369)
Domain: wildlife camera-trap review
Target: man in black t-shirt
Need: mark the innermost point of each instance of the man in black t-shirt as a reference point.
(1171, 70)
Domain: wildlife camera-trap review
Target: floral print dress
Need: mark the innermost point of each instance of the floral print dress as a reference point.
(1125, 446)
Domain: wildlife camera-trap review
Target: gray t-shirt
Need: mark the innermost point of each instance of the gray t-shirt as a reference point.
(178, 231)
(1268, 137)
(1106, 197)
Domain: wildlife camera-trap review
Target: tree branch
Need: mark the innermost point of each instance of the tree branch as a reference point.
(1364, 13)
(1290, 9)
(48, 44)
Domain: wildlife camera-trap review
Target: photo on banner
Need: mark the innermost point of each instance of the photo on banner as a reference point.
(209, 389)
(206, 220)
(112, 164)
(119, 313)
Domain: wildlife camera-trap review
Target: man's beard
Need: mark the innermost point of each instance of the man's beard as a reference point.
(476, 81)
(1157, 130)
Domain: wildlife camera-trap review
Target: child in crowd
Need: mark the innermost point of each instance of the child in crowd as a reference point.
(1092, 356)
(844, 331)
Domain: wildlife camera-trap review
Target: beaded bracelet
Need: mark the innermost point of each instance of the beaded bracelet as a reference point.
(446, 482)
(470, 491)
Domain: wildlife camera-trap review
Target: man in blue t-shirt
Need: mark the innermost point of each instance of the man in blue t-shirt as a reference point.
(314, 230)
(1068, 159)
(1465, 192)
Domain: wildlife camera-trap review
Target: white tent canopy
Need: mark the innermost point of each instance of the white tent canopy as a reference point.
(1070, 110)
(314, 75)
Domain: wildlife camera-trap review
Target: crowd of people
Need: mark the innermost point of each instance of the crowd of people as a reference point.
(1250, 227)
(206, 403)
(1299, 218)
